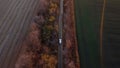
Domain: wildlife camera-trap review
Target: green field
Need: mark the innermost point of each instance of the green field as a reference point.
(88, 16)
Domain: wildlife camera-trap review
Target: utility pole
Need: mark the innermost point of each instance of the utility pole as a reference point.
(60, 46)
